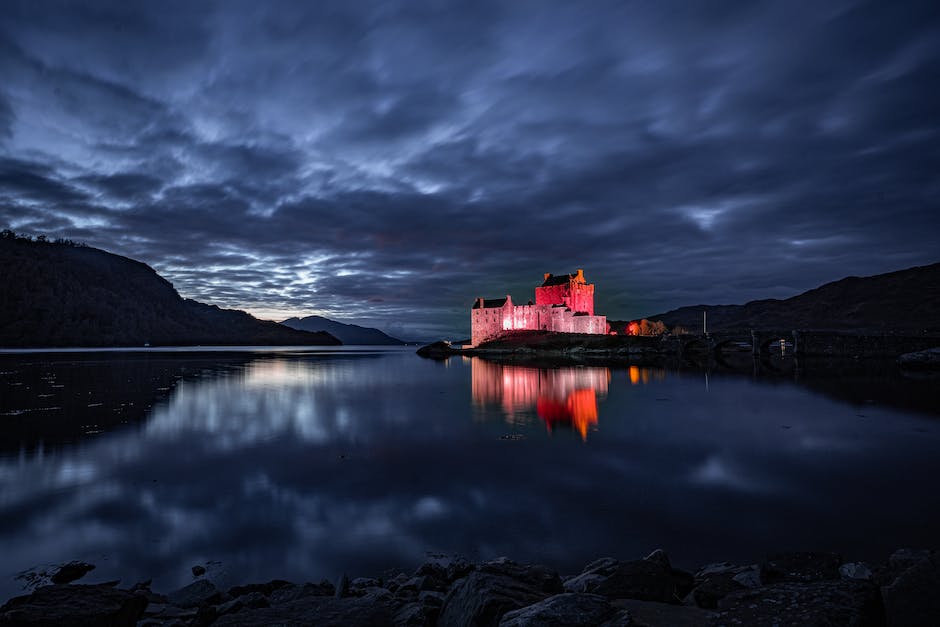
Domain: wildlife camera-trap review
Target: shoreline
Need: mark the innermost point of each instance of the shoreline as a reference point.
(784, 588)
(919, 351)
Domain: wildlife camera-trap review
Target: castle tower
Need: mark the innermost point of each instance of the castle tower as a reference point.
(571, 290)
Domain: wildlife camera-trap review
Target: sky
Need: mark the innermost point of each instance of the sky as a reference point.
(386, 163)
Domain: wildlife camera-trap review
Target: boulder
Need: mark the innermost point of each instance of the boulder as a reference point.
(833, 602)
(800, 567)
(921, 360)
(593, 573)
(652, 614)
(293, 592)
(251, 600)
(342, 586)
(266, 588)
(416, 614)
(749, 576)
(497, 587)
(659, 556)
(646, 580)
(201, 592)
(365, 582)
(436, 350)
(395, 582)
(431, 597)
(315, 610)
(913, 595)
(713, 589)
(855, 570)
(73, 571)
(569, 609)
(74, 604)
(198, 571)
(441, 571)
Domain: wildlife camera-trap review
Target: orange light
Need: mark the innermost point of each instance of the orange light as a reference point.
(634, 373)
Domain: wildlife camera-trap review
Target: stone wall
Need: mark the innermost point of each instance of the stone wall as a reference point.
(821, 343)
(578, 297)
(493, 322)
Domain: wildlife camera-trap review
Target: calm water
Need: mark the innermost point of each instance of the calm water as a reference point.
(306, 464)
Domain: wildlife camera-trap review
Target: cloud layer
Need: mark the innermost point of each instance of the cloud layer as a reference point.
(387, 164)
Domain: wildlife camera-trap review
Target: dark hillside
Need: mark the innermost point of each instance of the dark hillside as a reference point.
(906, 300)
(59, 294)
(346, 333)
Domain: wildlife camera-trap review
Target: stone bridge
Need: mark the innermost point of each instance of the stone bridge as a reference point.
(809, 342)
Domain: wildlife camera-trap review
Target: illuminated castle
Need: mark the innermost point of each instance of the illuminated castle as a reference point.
(563, 304)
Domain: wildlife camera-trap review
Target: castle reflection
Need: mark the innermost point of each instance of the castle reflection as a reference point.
(564, 397)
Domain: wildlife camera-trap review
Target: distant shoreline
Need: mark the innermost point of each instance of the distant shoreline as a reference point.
(259, 348)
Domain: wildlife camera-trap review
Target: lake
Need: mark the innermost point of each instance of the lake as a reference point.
(303, 464)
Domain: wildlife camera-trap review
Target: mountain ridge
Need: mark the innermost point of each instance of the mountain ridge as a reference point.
(346, 333)
(58, 294)
(901, 300)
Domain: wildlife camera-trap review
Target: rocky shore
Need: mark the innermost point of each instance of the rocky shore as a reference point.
(784, 589)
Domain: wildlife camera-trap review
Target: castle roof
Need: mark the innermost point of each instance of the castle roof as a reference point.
(489, 303)
(563, 279)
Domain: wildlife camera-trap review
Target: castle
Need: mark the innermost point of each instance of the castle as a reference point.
(563, 304)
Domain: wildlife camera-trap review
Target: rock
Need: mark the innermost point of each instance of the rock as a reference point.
(913, 597)
(593, 573)
(855, 570)
(447, 569)
(171, 612)
(201, 592)
(416, 614)
(198, 571)
(562, 610)
(205, 615)
(315, 610)
(714, 588)
(265, 588)
(365, 582)
(659, 556)
(838, 602)
(800, 566)
(73, 571)
(497, 587)
(436, 350)
(342, 586)
(922, 360)
(376, 593)
(74, 604)
(718, 568)
(749, 576)
(902, 559)
(539, 577)
(430, 597)
(650, 613)
(397, 581)
(251, 600)
(293, 592)
(646, 580)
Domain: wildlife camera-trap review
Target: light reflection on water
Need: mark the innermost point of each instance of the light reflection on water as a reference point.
(305, 466)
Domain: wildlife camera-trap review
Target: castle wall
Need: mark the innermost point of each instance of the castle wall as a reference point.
(578, 297)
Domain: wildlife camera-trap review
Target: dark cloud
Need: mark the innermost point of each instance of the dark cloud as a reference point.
(388, 163)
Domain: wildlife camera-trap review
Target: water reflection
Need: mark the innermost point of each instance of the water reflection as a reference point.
(302, 467)
(561, 397)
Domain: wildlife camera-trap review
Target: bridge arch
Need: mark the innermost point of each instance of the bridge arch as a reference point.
(766, 341)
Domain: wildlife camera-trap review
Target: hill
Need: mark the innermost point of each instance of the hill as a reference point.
(60, 294)
(905, 300)
(347, 333)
